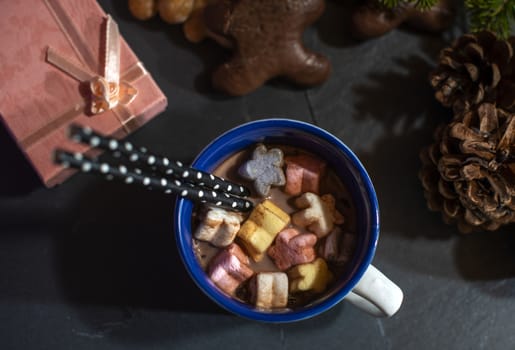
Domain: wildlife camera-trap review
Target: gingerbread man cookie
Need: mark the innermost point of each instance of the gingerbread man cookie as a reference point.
(266, 37)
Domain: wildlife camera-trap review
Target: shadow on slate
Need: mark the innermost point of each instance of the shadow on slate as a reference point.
(121, 252)
(121, 9)
(488, 256)
(398, 99)
(211, 55)
(402, 101)
(17, 176)
(334, 25)
(393, 166)
(403, 91)
(206, 330)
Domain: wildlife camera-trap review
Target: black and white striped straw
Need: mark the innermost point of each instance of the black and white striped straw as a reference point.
(137, 176)
(140, 155)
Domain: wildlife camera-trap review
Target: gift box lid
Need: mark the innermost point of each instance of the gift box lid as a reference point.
(38, 101)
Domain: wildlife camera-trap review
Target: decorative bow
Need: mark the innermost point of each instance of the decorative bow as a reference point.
(107, 91)
(106, 95)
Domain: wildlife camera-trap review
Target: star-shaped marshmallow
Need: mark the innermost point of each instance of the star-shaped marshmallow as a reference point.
(318, 214)
(264, 169)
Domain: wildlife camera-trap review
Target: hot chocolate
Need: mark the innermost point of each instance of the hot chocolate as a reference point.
(299, 237)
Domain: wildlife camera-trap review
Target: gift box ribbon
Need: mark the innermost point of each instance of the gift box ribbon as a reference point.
(112, 91)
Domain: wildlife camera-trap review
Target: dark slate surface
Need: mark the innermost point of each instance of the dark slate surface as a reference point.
(93, 265)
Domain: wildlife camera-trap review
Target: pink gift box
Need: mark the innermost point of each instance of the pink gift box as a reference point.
(38, 101)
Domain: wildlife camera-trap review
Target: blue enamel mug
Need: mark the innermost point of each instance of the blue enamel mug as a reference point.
(362, 284)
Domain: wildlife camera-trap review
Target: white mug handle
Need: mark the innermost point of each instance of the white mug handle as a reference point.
(376, 294)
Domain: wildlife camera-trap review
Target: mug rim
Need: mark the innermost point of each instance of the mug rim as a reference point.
(242, 309)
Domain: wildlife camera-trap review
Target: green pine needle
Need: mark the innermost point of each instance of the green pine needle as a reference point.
(495, 15)
(390, 3)
(425, 4)
(419, 4)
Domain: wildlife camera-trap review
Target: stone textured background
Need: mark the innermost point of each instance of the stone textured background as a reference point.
(93, 265)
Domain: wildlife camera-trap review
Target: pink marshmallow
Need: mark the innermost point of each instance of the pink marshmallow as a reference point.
(303, 173)
(229, 269)
(292, 248)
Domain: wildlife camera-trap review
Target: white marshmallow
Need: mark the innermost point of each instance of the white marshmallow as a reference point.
(219, 227)
(270, 290)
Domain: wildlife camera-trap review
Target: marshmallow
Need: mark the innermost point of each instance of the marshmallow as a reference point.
(303, 173)
(292, 248)
(265, 169)
(313, 276)
(264, 223)
(269, 290)
(338, 246)
(219, 227)
(318, 214)
(229, 269)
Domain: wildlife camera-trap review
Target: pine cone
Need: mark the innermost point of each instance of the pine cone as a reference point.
(477, 68)
(469, 172)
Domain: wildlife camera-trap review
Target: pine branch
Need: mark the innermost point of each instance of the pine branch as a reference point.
(419, 4)
(495, 15)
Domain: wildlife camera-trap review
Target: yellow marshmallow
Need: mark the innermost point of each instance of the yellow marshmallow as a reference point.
(269, 216)
(259, 230)
(310, 276)
(255, 239)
